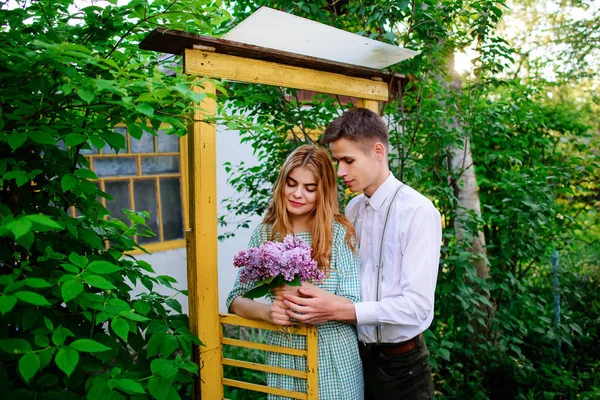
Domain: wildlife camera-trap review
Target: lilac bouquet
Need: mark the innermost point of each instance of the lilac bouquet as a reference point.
(276, 263)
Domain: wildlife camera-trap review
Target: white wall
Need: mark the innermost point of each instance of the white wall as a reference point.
(173, 262)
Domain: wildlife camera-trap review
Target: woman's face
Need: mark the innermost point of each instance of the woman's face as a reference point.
(300, 192)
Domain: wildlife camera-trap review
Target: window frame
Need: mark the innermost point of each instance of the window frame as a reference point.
(161, 244)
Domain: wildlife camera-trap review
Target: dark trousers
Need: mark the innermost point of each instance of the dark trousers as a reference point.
(406, 376)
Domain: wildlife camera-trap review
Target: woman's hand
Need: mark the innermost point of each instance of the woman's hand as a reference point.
(284, 289)
(276, 313)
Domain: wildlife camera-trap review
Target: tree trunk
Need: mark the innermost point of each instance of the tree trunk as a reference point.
(465, 186)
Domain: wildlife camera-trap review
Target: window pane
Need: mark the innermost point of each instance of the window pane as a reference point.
(121, 166)
(160, 165)
(168, 143)
(172, 213)
(109, 150)
(144, 145)
(120, 191)
(145, 200)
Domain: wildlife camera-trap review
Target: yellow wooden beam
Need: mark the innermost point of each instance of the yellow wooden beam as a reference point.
(265, 347)
(215, 65)
(232, 319)
(202, 246)
(265, 368)
(264, 389)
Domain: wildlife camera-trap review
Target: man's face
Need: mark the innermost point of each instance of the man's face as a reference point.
(357, 165)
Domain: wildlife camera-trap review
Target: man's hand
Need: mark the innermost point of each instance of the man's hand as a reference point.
(277, 313)
(316, 306)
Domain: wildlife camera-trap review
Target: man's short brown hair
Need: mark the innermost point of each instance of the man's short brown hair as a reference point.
(359, 125)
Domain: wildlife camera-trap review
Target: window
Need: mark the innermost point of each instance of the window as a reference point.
(148, 176)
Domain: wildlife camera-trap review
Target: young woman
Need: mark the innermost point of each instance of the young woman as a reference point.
(305, 204)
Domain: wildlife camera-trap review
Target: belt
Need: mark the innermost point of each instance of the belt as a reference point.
(374, 350)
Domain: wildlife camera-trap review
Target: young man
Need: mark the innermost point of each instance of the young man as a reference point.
(399, 233)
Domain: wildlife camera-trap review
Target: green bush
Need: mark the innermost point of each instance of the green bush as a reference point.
(69, 326)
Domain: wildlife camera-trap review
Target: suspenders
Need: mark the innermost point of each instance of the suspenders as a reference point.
(380, 262)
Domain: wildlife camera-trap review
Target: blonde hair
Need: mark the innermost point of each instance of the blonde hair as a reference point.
(326, 211)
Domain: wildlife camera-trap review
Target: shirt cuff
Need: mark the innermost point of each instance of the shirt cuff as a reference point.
(366, 313)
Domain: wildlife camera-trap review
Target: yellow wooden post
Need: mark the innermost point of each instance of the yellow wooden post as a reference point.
(372, 105)
(312, 361)
(202, 246)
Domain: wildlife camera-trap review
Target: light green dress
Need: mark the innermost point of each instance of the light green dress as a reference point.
(340, 367)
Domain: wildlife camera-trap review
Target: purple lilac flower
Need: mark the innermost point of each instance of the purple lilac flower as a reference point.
(289, 258)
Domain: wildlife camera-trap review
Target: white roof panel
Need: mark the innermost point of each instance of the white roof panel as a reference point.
(282, 31)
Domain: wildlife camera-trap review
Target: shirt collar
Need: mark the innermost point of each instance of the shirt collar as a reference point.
(382, 192)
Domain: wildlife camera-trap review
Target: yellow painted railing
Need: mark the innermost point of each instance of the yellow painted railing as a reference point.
(311, 354)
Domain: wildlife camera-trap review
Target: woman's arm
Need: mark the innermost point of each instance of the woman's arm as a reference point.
(273, 313)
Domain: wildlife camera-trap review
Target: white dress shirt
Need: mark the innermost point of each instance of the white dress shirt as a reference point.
(411, 254)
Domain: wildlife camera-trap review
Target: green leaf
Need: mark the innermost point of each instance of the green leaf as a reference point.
(41, 340)
(168, 345)
(190, 367)
(68, 182)
(71, 289)
(154, 343)
(7, 302)
(129, 386)
(142, 307)
(16, 140)
(67, 359)
(103, 267)
(36, 283)
(89, 346)
(165, 368)
(444, 353)
(145, 108)
(85, 95)
(60, 335)
(116, 140)
(41, 137)
(174, 304)
(159, 387)
(29, 364)
(97, 141)
(80, 261)
(26, 240)
(98, 282)
(73, 139)
(15, 346)
(48, 324)
(257, 292)
(133, 316)
(120, 327)
(32, 298)
(43, 223)
(86, 173)
(70, 268)
(19, 227)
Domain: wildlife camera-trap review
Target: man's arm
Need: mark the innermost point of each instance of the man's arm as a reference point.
(319, 306)
(418, 276)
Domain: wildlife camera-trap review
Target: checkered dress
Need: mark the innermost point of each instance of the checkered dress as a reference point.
(340, 368)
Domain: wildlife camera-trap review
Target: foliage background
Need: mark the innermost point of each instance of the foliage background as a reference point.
(70, 72)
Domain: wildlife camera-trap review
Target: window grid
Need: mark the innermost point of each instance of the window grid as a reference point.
(160, 244)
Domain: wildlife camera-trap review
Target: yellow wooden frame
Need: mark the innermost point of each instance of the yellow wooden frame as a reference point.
(201, 238)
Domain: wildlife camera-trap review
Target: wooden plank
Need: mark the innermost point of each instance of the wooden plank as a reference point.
(265, 368)
(312, 361)
(370, 104)
(202, 246)
(265, 347)
(215, 65)
(176, 42)
(264, 389)
(232, 319)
